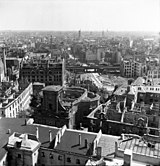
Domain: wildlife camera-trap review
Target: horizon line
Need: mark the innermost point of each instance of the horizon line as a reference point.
(156, 31)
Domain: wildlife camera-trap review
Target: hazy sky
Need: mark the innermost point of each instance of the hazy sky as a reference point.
(143, 15)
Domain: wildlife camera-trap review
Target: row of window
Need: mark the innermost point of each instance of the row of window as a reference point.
(41, 72)
(157, 89)
(151, 95)
(151, 100)
(42, 79)
(155, 76)
(60, 158)
(151, 72)
(16, 104)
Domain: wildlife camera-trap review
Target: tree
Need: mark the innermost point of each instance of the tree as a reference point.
(34, 101)
(25, 113)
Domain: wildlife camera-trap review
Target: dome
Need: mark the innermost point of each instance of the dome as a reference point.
(1, 66)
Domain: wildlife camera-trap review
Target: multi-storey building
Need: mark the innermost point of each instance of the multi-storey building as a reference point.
(22, 149)
(44, 70)
(3, 58)
(13, 65)
(59, 106)
(12, 103)
(153, 72)
(31, 144)
(1, 70)
(132, 68)
(131, 106)
(64, 106)
(43, 145)
(148, 94)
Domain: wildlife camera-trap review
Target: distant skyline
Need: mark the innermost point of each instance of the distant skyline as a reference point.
(87, 15)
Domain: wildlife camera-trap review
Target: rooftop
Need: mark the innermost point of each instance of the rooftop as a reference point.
(52, 88)
(18, 125)
(141, 146)
(121, 90)
(139, 81)
(39, 83)
(107, 142)
(23, 141)
(70, 141)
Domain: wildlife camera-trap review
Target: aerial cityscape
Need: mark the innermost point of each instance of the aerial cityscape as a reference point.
(80, 83)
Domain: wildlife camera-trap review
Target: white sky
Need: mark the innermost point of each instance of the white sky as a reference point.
(139, 15)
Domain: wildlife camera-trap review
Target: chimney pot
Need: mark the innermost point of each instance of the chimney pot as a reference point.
(50, 136)
(122, 136)
(9, 131)
(25, 137)
(85, 143)
(99, 152)
(25, 123)
(127, 157)
(80, 139)
(37, 132)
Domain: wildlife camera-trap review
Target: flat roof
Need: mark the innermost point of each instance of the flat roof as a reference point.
(55, 88)
(38, 83)
(70, 141)
(18, 125)
(107, 142)
(140, 147)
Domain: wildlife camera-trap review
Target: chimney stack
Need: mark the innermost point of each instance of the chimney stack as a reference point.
(122, 136)
(80, 139)
(37, 132)
(116, 147)
(58, 138)
(4, 61)
(25, 137)
(85, 143)
(50, 136)
(99, 152)
(9, 131)
(127, 157)
(25, 122)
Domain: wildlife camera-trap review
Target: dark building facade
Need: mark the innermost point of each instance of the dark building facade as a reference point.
(65, 106)
(50, 112)
(59, 106)
(49, 71)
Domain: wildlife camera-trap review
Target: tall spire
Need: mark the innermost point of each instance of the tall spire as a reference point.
(4, 60)
(1, 70)
(79, 34)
